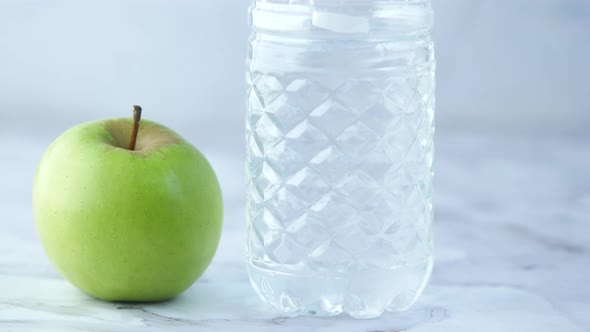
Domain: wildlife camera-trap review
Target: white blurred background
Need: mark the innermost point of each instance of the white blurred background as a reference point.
(508, 66)
(505, 67)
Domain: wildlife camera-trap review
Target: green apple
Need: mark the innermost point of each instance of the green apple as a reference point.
(126, 223)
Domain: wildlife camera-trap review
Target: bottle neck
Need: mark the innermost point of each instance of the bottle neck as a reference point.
(348, 19)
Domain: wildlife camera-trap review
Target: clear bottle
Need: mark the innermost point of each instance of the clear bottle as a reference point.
(340, 147)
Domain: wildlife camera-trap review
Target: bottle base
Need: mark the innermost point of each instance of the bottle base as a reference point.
(363, 294)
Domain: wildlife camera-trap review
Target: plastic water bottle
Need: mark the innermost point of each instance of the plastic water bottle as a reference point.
(340, 146)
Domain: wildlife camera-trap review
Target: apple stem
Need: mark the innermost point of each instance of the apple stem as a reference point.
(136, 119)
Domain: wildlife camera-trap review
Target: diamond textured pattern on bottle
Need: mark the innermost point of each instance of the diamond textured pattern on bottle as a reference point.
(331, 174)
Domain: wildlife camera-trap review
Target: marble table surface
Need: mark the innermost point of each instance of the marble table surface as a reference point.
(512, 231)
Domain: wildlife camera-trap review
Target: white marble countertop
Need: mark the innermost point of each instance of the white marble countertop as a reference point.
(512, 225)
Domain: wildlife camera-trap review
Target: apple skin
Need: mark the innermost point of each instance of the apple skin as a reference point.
(127, 225)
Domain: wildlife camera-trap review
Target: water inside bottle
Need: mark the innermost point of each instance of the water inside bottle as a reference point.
(340, 143)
